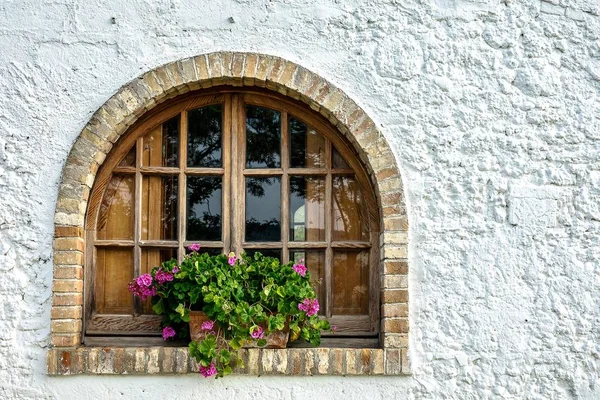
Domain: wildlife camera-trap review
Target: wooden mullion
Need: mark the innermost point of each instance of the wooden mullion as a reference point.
(124, 170)
(349, 244)
(263, 171)
(238, 159)
(115, 243)
(307, 245)
(159, 170)
(159, 243)
(307, 171)
(285, 188)
(328, 231)
(262, 245)
(137, 228)
(210, 171)
(182, 184)
(209, 244)
(227, 157)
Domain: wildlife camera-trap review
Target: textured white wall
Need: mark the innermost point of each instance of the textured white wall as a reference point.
(491, 107)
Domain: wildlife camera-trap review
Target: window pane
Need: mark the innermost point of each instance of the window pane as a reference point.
(115, 220)
(350, 221)
(275, 253)
(263, 138)
(338, 160)
(307, 146)
(350, 282)
(307, 209)
(315, 262)
(204, 208)
(114, 270)
(153, 257)
(263, 209)
(129, 159)
(204, 137)
(161, 145)
(159, 208)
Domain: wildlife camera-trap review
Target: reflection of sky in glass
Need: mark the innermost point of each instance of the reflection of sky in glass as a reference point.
(263, 209)
(268, 206)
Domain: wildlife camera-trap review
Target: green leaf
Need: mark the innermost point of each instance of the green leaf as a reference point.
(261, 342)
(159, 307)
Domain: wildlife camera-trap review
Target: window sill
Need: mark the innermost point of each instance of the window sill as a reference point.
(176, 360)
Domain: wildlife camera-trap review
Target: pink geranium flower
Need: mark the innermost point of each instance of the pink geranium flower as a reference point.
(194, 247)
(300, 269)
(207, 325)
(309, 306)
(232, 259)
(168, 332)
(208, 371)
(257, 332)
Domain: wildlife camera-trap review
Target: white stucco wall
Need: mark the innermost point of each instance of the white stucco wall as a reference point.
(491, 107)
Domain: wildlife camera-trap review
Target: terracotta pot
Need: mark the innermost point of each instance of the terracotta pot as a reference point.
(276, 340)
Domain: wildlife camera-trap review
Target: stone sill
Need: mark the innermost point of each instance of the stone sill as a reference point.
(176, 360)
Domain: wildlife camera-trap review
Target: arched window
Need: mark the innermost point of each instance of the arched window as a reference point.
(234, 170)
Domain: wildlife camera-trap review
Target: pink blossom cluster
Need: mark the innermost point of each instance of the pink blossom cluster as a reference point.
(300, 269)
(232, 259)
(208, 325)
(257, 332)
(194, 247)
(209, 371)
(309, 306)
(168, 332)
(141, 286)
(163, 276)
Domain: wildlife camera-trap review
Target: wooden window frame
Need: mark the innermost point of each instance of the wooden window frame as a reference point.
(233, 197)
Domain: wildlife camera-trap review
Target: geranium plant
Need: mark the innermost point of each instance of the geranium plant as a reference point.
(245, 298)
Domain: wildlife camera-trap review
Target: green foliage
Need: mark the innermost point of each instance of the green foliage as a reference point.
(255, 294)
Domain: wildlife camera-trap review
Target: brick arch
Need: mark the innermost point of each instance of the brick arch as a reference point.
(142, 94)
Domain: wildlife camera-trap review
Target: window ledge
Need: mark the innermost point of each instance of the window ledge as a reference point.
(176, 360)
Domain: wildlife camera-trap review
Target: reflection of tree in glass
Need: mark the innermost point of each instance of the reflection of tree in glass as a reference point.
(169, 217)
(170, 142)
(200, 192)
(349, 216)
(307, 147)
(265, 231)
(263, 138)
(204, 137)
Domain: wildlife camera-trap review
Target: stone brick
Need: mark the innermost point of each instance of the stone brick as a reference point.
(68, 312)
(153, 364)
(351, 362)
(300, 80)
(172, 69)
(322, 361)
(275, 69)
(394, 310)
(336, 361)
(267, 360)
(66, 326)
(395, 296)
(395, 282)
(386, 173)
(389, 199)
(237, 65)
(67, 299)
(398, 237)
(213, 62)
(280, 361)
(51, 362)
(392, 185)
(181, 360)
(250, 69)
(365, 361)
(395, 224)
(67, 285)
(395, 211)
(310, 367)
(68, 272)
(65, 340)
(391, 340)
(390, 251)
(405, 362)
(140, 361)
(377, 362)
(395, 267)
(93, 360)
(287, 76)
(253, 366)
(227, 64)
(201, 67)
(68, 231)
(395, 325)
(106, 361)
(64, 362)
(68, 258)
(393, 365)
(188, 71)
(296, 358)
(167, 357)
(119, 360)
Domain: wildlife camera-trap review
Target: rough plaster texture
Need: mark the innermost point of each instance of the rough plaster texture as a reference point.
(491, 107)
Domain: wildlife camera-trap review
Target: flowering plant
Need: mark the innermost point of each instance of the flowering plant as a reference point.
(245, 298)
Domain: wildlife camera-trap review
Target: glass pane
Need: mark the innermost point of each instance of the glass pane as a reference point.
(263, 209)
(159, 208)
(275, 253)
(338, 160)
(350, 282)
(307, 209)
(204, 208)
(350, 221)
(307, 146)
(204, 137)
(263, 138)
(115, 220)
(161, 145)
(129, 159)
(114, 270)
(153, 257)
(315, 262)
